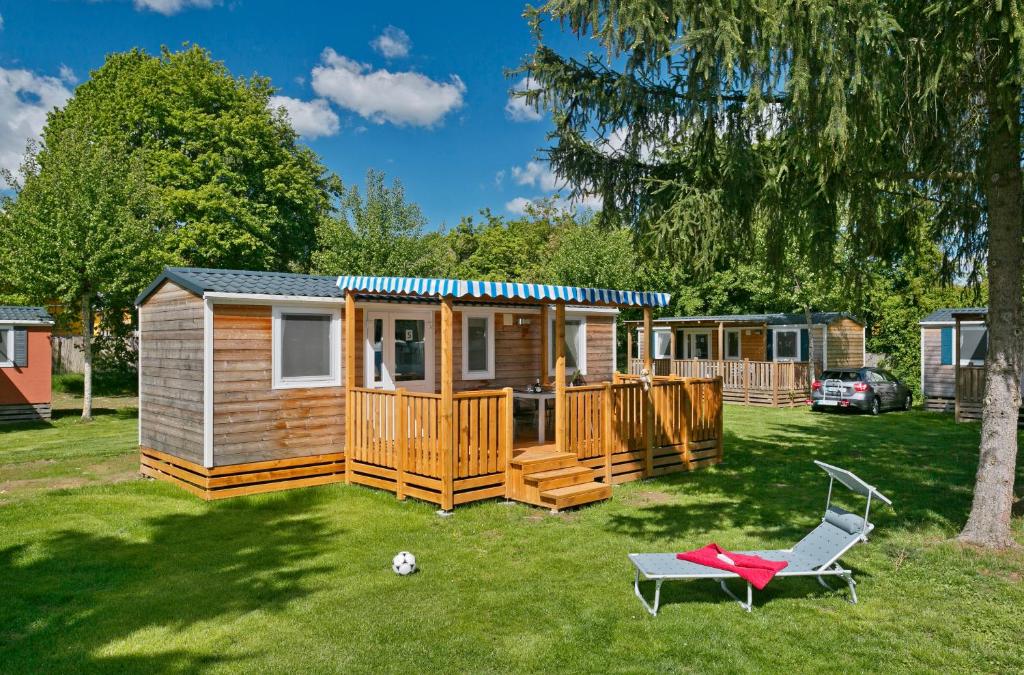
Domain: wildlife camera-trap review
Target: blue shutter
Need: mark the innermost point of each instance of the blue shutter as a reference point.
(805, 344)
(946, 347)
(20, 347)
(769, 348)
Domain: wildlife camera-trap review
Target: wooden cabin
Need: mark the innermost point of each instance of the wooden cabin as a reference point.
(954, 344)
(25, 364)
(763, 359)
(258, 381)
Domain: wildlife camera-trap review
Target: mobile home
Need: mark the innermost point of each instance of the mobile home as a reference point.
(257, 381)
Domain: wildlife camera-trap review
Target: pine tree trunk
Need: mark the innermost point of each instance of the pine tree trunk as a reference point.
(87, 357)
(989, 522)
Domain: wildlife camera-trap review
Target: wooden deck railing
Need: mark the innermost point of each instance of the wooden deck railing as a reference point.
(970, 386)
(396, 443)
(746, 381)
(628, 431)
(623, 429)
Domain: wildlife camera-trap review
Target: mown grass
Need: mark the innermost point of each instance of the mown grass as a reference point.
(140, 576)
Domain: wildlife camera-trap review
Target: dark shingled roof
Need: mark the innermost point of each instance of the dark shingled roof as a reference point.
(776, 319)
(945, 315)
(9, 313)
(199, 280)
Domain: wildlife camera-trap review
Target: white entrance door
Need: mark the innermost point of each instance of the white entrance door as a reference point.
(698, 344)
(400, 349)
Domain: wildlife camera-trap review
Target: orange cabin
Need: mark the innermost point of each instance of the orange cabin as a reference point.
(25, 363)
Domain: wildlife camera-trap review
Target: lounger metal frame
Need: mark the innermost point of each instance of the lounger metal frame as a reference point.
(830, 568)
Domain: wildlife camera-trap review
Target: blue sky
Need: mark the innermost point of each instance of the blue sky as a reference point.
(414, 89)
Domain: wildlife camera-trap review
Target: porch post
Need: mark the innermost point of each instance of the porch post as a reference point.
(645, 345)
(721, 351)
(956, 370)
(447, 433)
(629, 348)
(560, 376)
(649, 394)
(350, 377)
(672, 350)
(545, 380)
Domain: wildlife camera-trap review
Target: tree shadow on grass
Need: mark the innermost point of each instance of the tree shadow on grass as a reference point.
(771, 488)
(70, 596)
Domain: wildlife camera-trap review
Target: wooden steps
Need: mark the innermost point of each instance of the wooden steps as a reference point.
(574, 495)
(556, 480)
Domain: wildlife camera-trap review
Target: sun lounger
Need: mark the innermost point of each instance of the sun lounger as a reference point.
(816, 555)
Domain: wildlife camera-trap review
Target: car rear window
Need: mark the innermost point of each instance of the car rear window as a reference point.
(844, 375)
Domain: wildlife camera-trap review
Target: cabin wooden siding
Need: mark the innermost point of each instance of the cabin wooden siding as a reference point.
(752, 344)
(171, 373)
(939, 380)
(29, 384)
(845, 344)
(252, 421)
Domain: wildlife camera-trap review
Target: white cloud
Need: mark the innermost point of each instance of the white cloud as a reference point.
(68, 75)
(169, 7)
(517, 109)
(518, 205)
(310, 119)
(393, 43)
(537, 174)
(405, 98)
(25, 99)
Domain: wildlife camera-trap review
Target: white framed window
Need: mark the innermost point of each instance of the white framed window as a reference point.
(477, 344)
(6, 346)
(973, 345)
(662, 344)
(306, 347)
(786, 344)
(732, 344)
(575, 345)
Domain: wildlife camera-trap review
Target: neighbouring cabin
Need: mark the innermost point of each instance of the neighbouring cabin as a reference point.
(763, 359)
(954, 344)
(254, 381)
(25, 363)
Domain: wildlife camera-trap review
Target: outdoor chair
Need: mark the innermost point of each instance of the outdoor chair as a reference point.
(816, 555)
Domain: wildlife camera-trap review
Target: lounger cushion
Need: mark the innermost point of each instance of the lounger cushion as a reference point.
(848, 522)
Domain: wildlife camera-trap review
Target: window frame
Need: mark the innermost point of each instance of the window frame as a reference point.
(488, 373)
(9, 361)
(739, 344)
(333, 379)
(775, 345)
(581, 346)
(983, 329)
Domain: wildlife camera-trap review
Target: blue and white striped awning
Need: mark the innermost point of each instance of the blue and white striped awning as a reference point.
(457, 288)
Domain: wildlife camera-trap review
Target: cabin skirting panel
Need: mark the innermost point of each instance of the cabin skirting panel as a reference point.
(25, 411)
(939, 404)
(427, 488)
(235, 480)
(629, 465)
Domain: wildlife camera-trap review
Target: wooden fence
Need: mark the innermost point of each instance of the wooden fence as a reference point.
(627, 431)
(397, 441)
(750, 382)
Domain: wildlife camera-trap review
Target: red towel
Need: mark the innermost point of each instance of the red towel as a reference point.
(754, 569)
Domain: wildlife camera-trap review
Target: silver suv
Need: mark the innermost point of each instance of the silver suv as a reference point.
(865, 389)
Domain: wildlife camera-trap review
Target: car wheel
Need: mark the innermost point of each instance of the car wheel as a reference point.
(907, 402)
(876, 407)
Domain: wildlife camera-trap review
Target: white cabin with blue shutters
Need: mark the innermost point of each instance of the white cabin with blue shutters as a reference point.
(954, 342)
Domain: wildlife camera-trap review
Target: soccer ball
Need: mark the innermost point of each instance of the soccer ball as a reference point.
(404, 563)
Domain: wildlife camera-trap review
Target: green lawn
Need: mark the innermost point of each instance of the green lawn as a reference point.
(140, 576)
